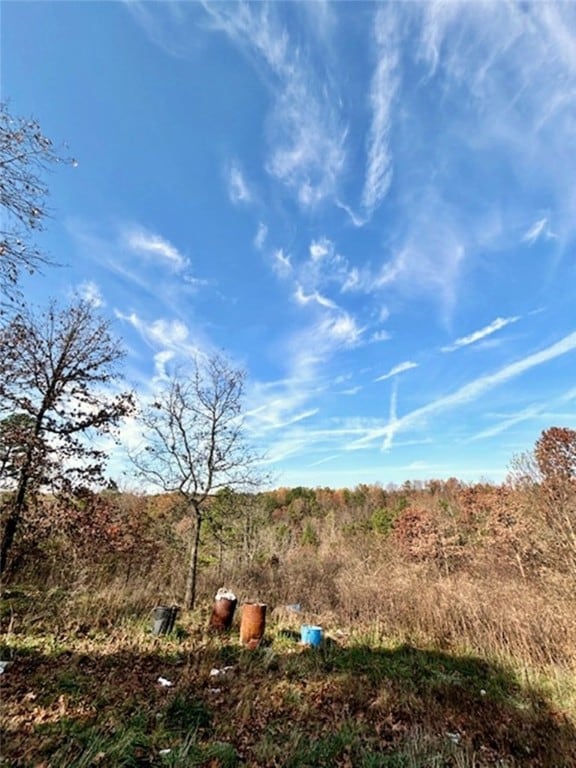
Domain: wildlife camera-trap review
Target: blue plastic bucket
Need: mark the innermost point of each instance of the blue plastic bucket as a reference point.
(311, 635)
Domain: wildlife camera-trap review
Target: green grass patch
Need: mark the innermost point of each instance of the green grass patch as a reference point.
(93, 699)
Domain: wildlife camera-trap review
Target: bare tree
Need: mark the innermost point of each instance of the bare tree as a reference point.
(56, 370)
(25, 156)
(195, 444)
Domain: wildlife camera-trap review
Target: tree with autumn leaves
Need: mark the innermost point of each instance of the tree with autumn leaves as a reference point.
(555, 454)
(56, 374)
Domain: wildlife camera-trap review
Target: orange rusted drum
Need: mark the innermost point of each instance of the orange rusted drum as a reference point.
(252, 624)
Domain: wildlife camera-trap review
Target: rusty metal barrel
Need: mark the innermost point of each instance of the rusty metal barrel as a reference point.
(252, 624)
(223, 611)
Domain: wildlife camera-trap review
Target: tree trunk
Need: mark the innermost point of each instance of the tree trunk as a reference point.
(190, 593)
(8, 538)
(13, 520)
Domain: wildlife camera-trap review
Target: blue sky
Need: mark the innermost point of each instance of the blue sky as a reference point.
(369, 207)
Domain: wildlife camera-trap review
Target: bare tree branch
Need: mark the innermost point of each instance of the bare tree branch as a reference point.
(25, 156)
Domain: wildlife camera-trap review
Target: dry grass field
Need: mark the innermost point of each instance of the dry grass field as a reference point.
(449, 618)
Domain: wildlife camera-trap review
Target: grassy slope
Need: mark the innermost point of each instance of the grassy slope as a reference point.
(77, 695)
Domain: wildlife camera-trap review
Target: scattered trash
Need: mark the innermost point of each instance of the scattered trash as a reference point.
(225, 602)
(164, 752)
(4, 666)
(455, 738)
(294, 608)
(165, 683)
(215, 690)
(482, 692)
(215, 672)
(224, 594)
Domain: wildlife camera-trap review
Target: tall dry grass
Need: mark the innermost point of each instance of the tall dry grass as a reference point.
(466, 580)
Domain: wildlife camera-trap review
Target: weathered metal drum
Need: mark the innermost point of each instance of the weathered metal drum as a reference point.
(252, 624)
(223, 611)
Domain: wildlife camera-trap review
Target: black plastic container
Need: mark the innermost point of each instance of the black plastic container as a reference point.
(164, 617)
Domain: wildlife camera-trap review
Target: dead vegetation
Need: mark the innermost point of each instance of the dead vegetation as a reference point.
(449, 616)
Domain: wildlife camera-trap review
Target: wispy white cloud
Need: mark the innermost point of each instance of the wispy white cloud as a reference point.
(306, 134)
(308, 440)
(525, 415)
(351, 390)
(309, 152)
(353, 281)
(383, 314)
(436, 19)
(237, 186)
(356, 219)
(315, 297)
(400, 368)
(539, 229)
(472, 338)
(541, 411)
(427, 266)
(170, 339)
(381, 335)
(393, 416)
(310, 348)
(306, 353)
(131, 261)
(281, 263)
(161, 361)
(383, 90)
(320, 248)
(525, 68)
(342, 329)
(276, 405)
(325, 460)
(261, 235)
(277, 415)
(426, 259)
(150, 244)
(325, 267)
(472, 391)
(90, 292)
(166, 25)
(164, 332)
